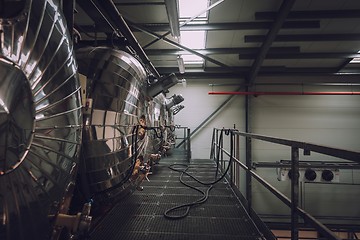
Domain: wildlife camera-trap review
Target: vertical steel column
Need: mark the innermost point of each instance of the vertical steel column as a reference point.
(185, 138)
(233, 154)
(188, 145)
(221, 146)
(294, 192)
(212, 150)
(248, 154)
(235, 173)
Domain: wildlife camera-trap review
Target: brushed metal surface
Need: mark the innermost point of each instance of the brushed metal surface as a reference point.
(116, 81)
(40, 120)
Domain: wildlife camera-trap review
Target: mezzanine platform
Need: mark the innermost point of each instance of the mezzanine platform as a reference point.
(141, 215)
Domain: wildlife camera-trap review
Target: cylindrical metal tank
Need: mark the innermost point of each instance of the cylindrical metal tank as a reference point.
(156, 111)
(40, 118)
(116, 106)
(161, 136)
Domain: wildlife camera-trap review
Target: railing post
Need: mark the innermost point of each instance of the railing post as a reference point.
(222, 153)
(188, 145)
(248, 174)
(294, 192)
(231, 158)
(235, 167)
(185, 137)
(216, 143)
(212, 147)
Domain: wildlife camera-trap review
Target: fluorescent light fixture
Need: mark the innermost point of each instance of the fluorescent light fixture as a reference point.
(192, 59)
(173, 16)
(181, 65)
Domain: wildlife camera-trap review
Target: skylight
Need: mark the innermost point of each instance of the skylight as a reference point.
(355, 60)
(190, 8)
(192, 39)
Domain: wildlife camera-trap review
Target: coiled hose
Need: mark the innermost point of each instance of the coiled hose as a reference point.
(205, 194)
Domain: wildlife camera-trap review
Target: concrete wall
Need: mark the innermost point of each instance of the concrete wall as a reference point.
(325, 120)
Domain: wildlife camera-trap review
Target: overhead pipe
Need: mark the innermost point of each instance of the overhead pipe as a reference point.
(119, 21)
(281, 93)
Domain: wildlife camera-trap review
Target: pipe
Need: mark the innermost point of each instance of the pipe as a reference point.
(282, 93)
(120, 23)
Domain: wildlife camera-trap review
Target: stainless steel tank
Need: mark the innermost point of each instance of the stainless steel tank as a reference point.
(40, 118)
(157, 123)
(161, 136)
(112, 140)
(166, 121)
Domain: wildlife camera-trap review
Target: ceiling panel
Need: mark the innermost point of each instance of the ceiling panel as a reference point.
(308, 36)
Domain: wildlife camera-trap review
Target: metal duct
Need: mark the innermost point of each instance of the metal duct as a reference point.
(115, 82)
(40, 126)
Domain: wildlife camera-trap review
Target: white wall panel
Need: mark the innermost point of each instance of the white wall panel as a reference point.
(199, 105)
(325, 120)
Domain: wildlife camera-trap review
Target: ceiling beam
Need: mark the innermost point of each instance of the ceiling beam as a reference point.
(279, 21)
(250, 53)
(304, 37)
(175, 52)
(209, 51)
(173, 43)
(311, 14)
(218, 73)
(317, 55)
(244, 53)
(164, 27)
(122, 4)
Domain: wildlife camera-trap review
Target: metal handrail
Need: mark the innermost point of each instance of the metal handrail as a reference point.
(293, 202)
(186, 141)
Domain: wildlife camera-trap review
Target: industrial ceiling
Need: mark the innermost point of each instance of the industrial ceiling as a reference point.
(245, 39)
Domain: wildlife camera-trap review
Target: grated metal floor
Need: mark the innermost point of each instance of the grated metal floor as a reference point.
(140, 216)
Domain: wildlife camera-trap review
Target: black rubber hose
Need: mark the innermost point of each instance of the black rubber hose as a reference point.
(205, 194)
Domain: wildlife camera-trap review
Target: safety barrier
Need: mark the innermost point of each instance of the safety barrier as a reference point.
(183, 134)
(229, 154)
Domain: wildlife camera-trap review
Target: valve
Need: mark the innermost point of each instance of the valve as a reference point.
(77, 224)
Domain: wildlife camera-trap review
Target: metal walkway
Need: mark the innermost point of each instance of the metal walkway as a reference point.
(141, 215)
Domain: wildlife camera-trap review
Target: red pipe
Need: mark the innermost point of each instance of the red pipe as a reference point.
(283, 93)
